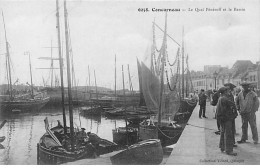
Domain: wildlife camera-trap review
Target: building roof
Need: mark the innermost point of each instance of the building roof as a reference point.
(240, 67)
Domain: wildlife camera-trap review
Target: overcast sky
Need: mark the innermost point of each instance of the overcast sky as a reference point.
(102, 29)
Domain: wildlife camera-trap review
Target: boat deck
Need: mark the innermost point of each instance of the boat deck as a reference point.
(198, 145)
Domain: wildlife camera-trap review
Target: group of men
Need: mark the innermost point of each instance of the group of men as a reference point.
(245, 102)
(89, 140)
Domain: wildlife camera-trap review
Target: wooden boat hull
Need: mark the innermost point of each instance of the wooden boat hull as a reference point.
(148, 152)
(187, 105)
(58, 155)
(167, 134)
(92, 111)
(52, 157)
(121, 137)
(119, 112)
(23, 105)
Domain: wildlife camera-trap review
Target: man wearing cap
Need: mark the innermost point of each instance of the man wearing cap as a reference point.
(94, 139)
(247, 104)
(225, 116)
(230, 95)
(202, 103)
(82, 136)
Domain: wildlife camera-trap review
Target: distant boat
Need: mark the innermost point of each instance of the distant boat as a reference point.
(95, 110)
(148, 152)
(129, 111)
(23, 105)
(23, 102)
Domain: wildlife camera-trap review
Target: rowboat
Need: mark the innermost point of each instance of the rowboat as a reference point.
(147, 152)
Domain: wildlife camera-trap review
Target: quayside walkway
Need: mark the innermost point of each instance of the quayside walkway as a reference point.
(198, 143)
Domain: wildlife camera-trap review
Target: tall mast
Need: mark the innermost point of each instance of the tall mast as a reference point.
(96, 84)
(28, 53)
(69, 77)
(182, 62)
(125, 105)
(89, 79)
(8, 63)
(115, 76)
(162, 70)
(187, 77)
(86, 89)
(130, 81)
(61, 67)
(51, 66)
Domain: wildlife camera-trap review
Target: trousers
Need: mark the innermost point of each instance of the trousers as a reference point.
(234, 130)
(251, 119)
(202, 110)
(226, 136)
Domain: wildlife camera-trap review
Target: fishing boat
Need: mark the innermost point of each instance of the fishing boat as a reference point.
(162, 88)
(93, 110)
(50, 149)
(129, 111)
(15, 101)
(147, 152)
(61, 143)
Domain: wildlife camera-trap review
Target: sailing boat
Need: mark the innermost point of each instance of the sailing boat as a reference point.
(61, 143)
(15, 102)
(167, 103)
(145, 152)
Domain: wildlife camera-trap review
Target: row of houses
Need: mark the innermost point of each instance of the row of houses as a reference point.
(214, 76)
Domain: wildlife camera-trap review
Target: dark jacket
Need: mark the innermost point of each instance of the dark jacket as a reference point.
(202, 99)
(248, 104)
(94, 139)
(226, 109)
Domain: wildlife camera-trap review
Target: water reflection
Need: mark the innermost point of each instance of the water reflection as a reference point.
(23, 131)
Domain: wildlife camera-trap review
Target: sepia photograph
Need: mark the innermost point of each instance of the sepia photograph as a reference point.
(113, 82)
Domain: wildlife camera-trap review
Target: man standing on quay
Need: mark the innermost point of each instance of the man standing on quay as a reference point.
(230, 95)
(202, 103)
(247, 104)
(225, 116)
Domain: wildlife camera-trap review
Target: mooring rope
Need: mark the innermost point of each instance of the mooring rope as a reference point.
(201, 127)
(167, 135)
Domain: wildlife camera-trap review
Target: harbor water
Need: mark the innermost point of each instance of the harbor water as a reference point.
(24, 130)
